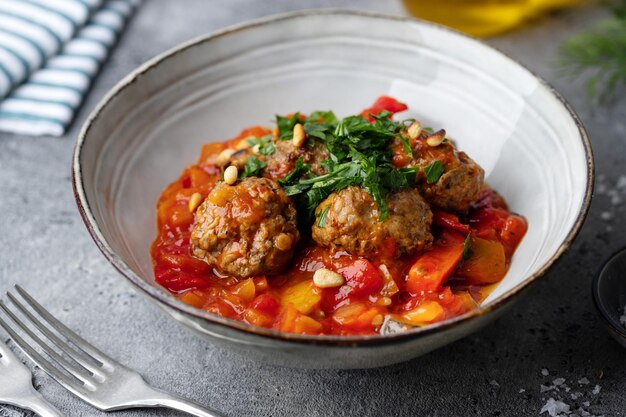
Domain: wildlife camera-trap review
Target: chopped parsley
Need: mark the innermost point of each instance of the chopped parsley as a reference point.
(434, 172)
(359, 155)
(321, 221)
(266, 146)
(300, 169)
(253, 167)
(467, 248)
(285, 125)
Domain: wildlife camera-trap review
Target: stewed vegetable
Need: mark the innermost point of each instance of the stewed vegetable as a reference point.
(323, 225)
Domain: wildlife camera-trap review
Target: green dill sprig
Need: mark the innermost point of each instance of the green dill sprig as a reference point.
(601, 53)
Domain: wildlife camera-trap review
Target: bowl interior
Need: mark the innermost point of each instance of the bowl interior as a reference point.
(154, 123)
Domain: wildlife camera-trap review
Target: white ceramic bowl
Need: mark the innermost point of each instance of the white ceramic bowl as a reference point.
(153, 123)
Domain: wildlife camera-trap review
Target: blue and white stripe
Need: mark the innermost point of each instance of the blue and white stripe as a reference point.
(55, 47)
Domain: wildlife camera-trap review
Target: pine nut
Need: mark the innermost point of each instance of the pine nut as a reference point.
(436, 138)
(283, 242)
(325, 278)
(298, 135)
(224, 157)
(194, 201)
(256, 148)
(414, 130)
(230, 175)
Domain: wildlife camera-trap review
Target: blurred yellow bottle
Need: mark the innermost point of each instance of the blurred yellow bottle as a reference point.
(483, 17)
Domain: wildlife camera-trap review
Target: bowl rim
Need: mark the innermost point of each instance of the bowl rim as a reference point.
(159, 296)
(611, 320)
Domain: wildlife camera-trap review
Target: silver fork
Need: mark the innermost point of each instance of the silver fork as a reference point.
(16, 386)
(81, 368)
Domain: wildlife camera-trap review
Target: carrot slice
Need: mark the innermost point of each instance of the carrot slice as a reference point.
(433, 268)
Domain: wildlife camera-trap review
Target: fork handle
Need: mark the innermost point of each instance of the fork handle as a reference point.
(165, 399)
(37, 403)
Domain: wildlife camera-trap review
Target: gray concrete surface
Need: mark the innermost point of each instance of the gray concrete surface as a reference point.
(553, 333)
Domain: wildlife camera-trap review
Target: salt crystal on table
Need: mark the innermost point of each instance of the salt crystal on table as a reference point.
(606, 215)
(583, 381)
(615, 198)
(596, 390)
(545, 372)
(554, 408)
(576, 395)
(545, 388)
(558, 381)
(522, 390)
(586, 403)
(494, 383)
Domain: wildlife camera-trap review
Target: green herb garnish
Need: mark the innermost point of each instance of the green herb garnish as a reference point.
(359, 155)
(300, 170)
(320, 123)
(266, 146)
(285, 126)
(434, 172)
(467, 247)
(253, 167)
(321, 221)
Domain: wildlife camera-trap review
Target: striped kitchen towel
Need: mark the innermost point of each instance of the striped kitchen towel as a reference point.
(50, 51)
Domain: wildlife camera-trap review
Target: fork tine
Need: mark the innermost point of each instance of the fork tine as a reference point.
(73, 370)
(64, 330)
(77, 355)
(60, 377)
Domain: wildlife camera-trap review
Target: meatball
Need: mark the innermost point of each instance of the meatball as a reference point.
(246, 229)
(459, 185)
(349, 220)
(462, 178)
(283, 160)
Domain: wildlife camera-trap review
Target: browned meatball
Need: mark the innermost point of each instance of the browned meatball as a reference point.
(458, 186)
(351, 222)
(462, 178)
(283, 160)
(246, 229)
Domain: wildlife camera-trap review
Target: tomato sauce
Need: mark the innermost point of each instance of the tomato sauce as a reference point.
(470, 254)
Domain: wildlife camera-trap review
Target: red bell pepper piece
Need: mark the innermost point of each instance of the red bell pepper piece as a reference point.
(384, 103)
(449, 221)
